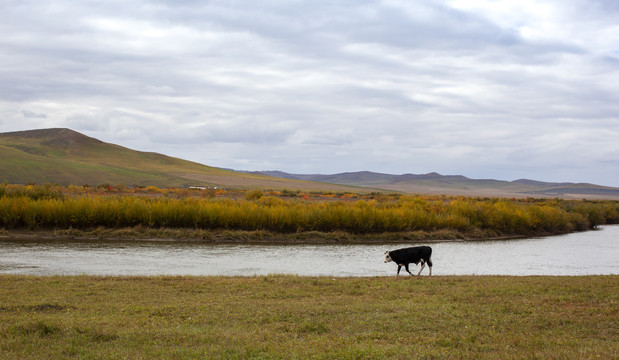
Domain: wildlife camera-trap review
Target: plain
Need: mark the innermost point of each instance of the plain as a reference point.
(284, 317)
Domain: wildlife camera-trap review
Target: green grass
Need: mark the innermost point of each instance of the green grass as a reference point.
(271, 317)
(67, 157)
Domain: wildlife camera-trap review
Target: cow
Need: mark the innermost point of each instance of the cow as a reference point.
(414, 255)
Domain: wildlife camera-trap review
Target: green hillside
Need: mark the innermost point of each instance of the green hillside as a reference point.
(66, 157)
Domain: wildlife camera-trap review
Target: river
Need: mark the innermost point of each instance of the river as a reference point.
(585, 253)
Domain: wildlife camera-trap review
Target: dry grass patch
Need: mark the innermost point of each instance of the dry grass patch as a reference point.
(308, 317)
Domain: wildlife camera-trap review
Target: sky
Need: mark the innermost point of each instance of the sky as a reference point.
(482, 88)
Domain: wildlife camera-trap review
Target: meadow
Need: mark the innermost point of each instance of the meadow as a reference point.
(288, 317)
(35, 207)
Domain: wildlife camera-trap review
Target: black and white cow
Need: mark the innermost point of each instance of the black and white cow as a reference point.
(413, 255)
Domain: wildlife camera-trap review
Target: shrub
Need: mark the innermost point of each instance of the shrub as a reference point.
(45, 207)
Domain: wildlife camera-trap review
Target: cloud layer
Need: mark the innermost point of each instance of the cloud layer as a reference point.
(488, 89)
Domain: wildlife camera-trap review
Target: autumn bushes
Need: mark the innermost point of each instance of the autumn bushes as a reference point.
(36, 209)
(510, 217)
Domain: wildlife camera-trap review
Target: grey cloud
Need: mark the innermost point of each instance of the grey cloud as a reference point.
(319, 86)
(33, 115)
(240, 131)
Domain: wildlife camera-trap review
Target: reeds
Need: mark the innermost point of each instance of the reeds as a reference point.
(44, 209)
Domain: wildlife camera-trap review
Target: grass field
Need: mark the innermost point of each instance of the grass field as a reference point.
(270, 317)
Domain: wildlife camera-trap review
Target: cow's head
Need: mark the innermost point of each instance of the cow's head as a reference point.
(387, 257)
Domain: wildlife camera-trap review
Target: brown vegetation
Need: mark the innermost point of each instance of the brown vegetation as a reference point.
(48, 207)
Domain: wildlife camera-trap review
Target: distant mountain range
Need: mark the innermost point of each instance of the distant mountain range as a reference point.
(65, 157)
(454, 184)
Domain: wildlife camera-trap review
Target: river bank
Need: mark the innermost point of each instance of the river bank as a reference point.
(140, 233)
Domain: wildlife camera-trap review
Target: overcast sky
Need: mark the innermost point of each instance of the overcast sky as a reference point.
(487, 89)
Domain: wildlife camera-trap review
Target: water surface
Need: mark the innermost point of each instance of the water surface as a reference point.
(587, 253)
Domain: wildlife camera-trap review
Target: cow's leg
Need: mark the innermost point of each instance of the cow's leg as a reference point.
(398, 273)
(408, 271)
(423, 264)
(430, 267)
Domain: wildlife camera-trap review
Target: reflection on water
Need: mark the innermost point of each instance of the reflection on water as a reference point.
(593, 252)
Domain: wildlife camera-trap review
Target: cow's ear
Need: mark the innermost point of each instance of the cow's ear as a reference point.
(386, 252)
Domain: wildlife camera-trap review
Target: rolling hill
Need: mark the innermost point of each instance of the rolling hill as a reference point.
(65, 157)
(434, 183)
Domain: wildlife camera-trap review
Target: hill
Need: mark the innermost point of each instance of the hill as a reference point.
(65, 157)
(434, 183)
